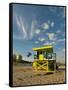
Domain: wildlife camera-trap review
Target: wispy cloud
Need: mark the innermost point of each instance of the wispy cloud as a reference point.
(41, 39)
(49, 43)
(34, 22)
(53, 41)
(17, 21)
(21, 26)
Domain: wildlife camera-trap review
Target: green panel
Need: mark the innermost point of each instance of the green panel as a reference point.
(35, 56)
(49, 51)
(51, 65)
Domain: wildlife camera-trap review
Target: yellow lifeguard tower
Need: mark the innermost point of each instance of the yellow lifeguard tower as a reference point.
(45, 59)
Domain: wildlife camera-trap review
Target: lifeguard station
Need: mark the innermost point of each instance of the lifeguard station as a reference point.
(45, 59)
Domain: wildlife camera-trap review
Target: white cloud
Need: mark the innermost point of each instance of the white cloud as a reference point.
(23, 28)
(51, 36)
(37, 31)
(36, 42)
(20, 25)
(45, 26)
(41, 39)
(60, 40)
(32, 28)
(49, 43)
(52, 24)
(18, 22)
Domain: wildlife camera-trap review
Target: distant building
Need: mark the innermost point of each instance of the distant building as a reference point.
(17, 58)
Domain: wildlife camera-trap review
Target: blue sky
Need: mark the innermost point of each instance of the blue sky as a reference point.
(36, 26)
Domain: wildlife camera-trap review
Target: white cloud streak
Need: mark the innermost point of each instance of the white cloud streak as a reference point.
(17, 20)
(32, 28)
(20, 25)
(23, 28)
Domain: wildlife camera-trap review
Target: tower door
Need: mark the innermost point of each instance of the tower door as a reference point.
(41, 56)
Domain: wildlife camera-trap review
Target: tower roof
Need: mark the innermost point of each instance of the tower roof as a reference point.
(46, 47)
